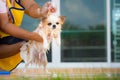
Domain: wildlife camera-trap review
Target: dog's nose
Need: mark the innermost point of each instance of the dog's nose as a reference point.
(54, 26)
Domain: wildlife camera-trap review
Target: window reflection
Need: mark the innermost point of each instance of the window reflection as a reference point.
(82, 14)
(84, 32)
(115, 30)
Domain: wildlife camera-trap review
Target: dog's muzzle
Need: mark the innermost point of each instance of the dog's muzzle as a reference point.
(54, 26)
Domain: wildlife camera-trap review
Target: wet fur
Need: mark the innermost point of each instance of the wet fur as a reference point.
(33, 52)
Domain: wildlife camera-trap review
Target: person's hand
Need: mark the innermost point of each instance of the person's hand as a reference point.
(48, 8)
(35, 36)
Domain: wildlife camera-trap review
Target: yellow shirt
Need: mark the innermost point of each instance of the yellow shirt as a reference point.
(16, 12)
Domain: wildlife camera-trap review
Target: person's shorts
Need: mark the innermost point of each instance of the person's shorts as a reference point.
(10, 40)
(10, 63)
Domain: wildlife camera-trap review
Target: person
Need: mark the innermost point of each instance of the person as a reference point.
(12, 36)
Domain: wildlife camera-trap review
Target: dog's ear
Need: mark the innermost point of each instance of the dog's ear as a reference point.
(43, 19)
(62, 19)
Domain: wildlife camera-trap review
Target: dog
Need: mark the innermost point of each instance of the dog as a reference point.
(33, 52)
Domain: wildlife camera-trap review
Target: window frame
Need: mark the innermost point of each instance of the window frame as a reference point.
(56, 51)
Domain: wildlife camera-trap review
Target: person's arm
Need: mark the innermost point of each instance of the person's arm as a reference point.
(15, 31)
(31, 8)
(36, 11)
(9, 50)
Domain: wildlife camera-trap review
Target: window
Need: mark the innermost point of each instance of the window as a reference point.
(115, 30)
(31, 23)
(84, 32)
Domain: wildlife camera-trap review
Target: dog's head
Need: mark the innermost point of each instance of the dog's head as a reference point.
(53, 22)
(51, 27)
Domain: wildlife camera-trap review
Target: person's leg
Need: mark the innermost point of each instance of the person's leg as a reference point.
(1, 69)
(9, 50)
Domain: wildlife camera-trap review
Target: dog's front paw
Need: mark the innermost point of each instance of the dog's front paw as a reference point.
(57, 41)
(45, 45)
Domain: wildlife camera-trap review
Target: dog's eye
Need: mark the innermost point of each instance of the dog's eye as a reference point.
(49, 24)
(57, 23)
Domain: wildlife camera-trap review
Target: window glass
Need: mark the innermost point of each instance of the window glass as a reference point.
(30, 24)
(115, 30)
(117, 1)
(84, 31)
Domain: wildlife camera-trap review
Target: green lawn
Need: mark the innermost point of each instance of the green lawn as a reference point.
(63, 77)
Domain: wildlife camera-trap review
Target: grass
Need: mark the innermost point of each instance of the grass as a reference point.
(65, 74)
(64, 77)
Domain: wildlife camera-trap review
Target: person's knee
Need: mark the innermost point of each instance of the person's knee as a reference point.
(10, 50)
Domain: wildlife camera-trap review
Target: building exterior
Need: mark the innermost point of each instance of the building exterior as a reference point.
(90, 36)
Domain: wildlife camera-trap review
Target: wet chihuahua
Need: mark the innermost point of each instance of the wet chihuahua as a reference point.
(33, 52)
